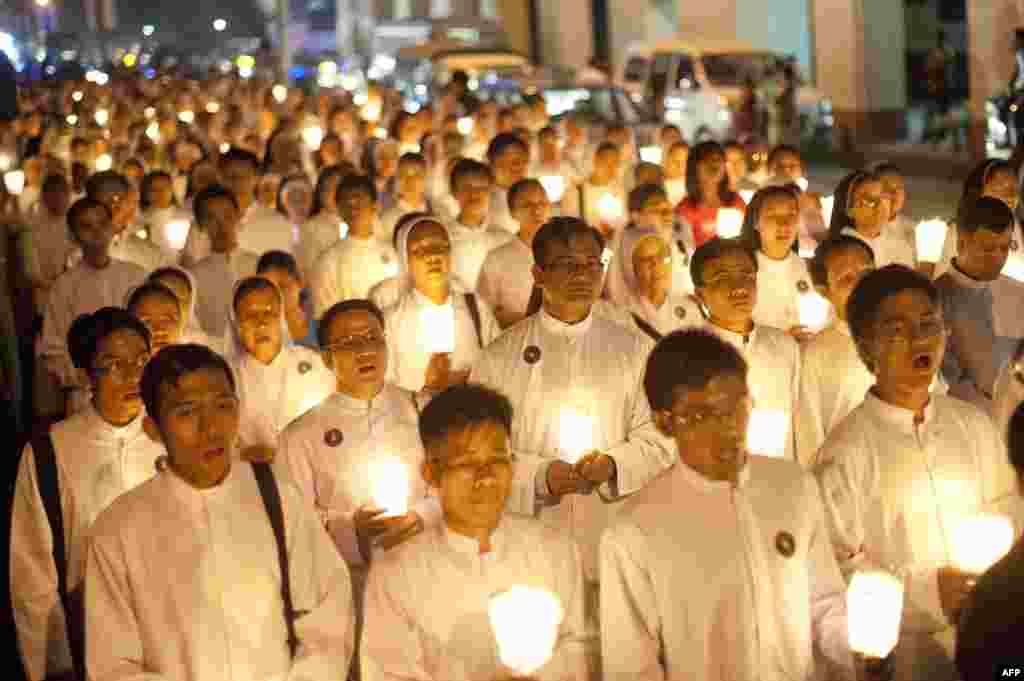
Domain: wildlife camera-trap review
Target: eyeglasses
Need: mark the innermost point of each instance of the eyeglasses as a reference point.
(122, 368)
(710, 417)
(355, 343)
(570, 266)
(903, 332)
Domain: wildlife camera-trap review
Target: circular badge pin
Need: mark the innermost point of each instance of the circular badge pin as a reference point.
(681, 312)
(531, 355)
(333, 437)
(305, 367)
(785, 544)
(802, 286)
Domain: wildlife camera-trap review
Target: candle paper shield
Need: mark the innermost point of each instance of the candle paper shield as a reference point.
(176, 233)
(575, 433)
(828, 203)
(554, 186)
(389, 486)
(312, 136)
(930, 237)
(874, 605)
(437, 328)
(767, 432)
(651, 154)
(814, 311)
(104, 162)
(730, 222)
(980, 541)
(15, 181)
(525, 622)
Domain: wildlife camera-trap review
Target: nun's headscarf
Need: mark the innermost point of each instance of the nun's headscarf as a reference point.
(191, 327)
(406, 283)
(631, 238)
(235, 352)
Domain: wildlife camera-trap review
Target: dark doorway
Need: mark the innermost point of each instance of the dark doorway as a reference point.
(602, 37)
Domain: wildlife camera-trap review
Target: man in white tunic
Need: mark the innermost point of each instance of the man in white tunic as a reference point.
(427, 602)
(473, 235)
(50, 243)
(410, 194)
(260, 229)
(722, 567)
(582, 432)
(725, 275)
(351, 267)
(97, 281)
(509, 158)
(184, 576)
(122, 199)
(902, 471)
(97, 455)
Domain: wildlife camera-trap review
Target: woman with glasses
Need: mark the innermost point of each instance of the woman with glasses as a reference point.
(437, 327)
(93, 457)
(862, 210)
(656, 307)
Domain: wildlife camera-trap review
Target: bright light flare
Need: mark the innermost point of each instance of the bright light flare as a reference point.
(652, 154)
(930, 237)
(814, 311)
(730, 223)
(525, 623)
(980, 541)
(609, 208)
(15, 181)
(389, 484)
(465, 126)
(437, 327)
(176, 233)
(874, 605)
(104, 162)
(767, 432)
(575, 433)
(554, 186)
(312, 136)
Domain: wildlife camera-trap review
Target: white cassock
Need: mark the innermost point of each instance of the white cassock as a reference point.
(349, 269)
(409, 336)
(96, 463)
(893, 491)
(676, 312)
(184, 584)
(891, 247)
(273, 395)
(264, 229)
(470, 247)
(597, 366)
(50, 247)
(390, 217)
(198, 246)
(779, 286)
(500, 215)
(316, 235)
(773, 358)
(162, 236)
(427, 604)
(705, 580)
(1014, 263)
(81, 290)
(215, 278)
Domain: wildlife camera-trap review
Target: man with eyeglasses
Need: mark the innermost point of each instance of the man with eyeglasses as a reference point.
(582, 428)
(907, 467)
(427, 603)
(975, 350)
(737, 580)
(332, 451)
(725, 278)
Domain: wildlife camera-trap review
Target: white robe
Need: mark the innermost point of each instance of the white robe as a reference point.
(676, 312)
(427, 604)
(349, 269)
(215, 278)
(184, 584)
(156, 222)
(316, 235)
(893, 491)
(50, 247)
(470, 247)
(273, 395)
(130, 247)
(1006, 397)
(890, 247)
(598, 365)
(264, 229)
(96, 463)
(500, 213)
(779, 285)
(506, 277)
(695, 584)
(81, 290)
(409, 342)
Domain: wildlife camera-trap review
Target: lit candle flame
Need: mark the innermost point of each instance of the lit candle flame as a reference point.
(380, 133)
(371, 112)
(730, 222)
(389, 482)
(187, 116)
(802, 183)
(224, 147)
(575, 433)
(6, 161)
(767, 432)
(814, 311)
(72, 119)
(104, 162)
(15, 181)
(651, 154)
(609, 208)
(554, 186)
(465, 126)
(102, 116)
(212, 107)
(313, 136)
(176, 233)
(930, 237)
(747, 195)
(437, 326)
(874, 604)
(980, 541)
(828, 203)
(280, 93)
(525, 623)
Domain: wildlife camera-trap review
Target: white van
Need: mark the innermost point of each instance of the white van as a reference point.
(701, 83)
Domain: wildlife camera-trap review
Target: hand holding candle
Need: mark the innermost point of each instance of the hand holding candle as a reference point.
(389, 484)
(730, 223)
(930, 237)
(525, 623)
(575, 433)
(874, 604)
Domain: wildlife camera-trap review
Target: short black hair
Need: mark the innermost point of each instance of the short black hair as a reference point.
(151, 288)
(713, 249)
(502, 142)
(519, 188)
(561, 229)
(639, 196)
(89, 330)
(1015, 440)
(356, 183)
(986, 213)
(279, 260)
(460, 407)
(174, 272)
(237, 155)
(82, 206)
(872, 290)
(56, 182)
(106, 181)
(344, 307)
(688, 359)
(202, 200)
(147, 184)
(168, 366)
(845, 190)
(818, 265)
(465, 167)
(698, 155)
(749, 232)
(250, 284)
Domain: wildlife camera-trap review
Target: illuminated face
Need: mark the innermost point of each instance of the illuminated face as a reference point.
(778, 225)
(429, 253)
(869, 209)
(895, 190)
(356, 351)
(258, 314)
(161, 192)
(652, 265)
(473, 193)
(675, 162)
(572, 274)
(736, 164)
(163, 318)
(411, 181)
(983, 253)
(221, 221)
(1002, 185)
(657, 214)
(789, 166)
(510, 166)
(730, 287)
(532, 208)
(907, 341)
(116, 373)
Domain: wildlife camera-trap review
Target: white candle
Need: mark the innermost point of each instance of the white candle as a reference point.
(187, 116)
(437, 327)
(930, 237)
(554, 185)
(609, 208)
(802, 183)
(389, 483)
(651, 154)
(224, 147)
(980, 541)
(575, 433)
(15, 181)
(747, 195)
(525, 623)
(465, 125)
(828, 203)
(814, 311)
(102, 116)
(767, 432)
(176, 233)
(104, 162)
(730, 222)
(380, 133)
(313, 135)
(874, 604)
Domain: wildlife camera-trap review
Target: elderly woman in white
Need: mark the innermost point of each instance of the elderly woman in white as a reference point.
(656, 308)
(437, 328)
(277, 380)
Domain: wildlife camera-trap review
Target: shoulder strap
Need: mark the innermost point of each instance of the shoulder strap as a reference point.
(582, 198)
(536, 301)
(646, 328)
(272, 502)
(474, 312)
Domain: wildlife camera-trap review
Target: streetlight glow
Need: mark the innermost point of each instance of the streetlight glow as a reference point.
(219, 25)
(148, 30)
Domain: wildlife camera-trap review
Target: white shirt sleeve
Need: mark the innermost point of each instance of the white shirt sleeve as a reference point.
(324, 285)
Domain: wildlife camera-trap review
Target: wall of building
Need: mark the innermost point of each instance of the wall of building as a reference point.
(779, 25)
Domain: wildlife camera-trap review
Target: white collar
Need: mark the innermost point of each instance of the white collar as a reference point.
(897, 417)
(557, 327)
(691, 478)
(461, 544)
(423, 301)
(105, 430)
(346, 401)
(738, 340)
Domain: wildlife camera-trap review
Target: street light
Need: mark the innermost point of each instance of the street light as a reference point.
(219, 25)
(43, 3)
(148, 30)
